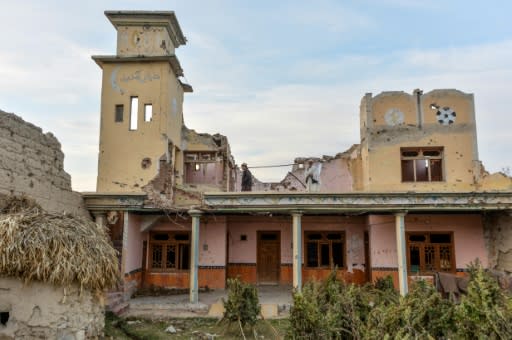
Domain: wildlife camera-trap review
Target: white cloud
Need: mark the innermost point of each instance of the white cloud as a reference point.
(329, 16)
(311, 119)
(467, 59)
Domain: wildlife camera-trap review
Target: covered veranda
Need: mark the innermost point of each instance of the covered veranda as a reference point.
(298, 206)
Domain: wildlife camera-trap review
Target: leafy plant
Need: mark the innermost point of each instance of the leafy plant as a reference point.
(306, 318)
(336, 310)
(486, 311)
(242, 306)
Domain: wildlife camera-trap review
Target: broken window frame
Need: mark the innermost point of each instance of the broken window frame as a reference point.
(431, 162)
(200, 157)
(181, 257)
(437, 250)
(197, 158)
(322, 241)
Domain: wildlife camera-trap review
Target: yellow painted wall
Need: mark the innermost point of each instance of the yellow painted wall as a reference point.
(121, 150)
(139, 40)
(417, 126)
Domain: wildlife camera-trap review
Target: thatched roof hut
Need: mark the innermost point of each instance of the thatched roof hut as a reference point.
(69, 258)
(54, 248)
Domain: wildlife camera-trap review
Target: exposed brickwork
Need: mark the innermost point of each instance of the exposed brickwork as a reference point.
(246, 272)
(356, 276)
(32, 163)
(286, 275)
(212, 277)
(169, 280)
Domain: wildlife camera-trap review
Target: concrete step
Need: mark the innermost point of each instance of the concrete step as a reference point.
(114, 299)
(163, 310)
(120, 308)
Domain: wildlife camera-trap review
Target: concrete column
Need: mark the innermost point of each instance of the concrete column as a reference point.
(297, 249)
(100, 217)
(401, 252)
(194, 256)
(124, 252)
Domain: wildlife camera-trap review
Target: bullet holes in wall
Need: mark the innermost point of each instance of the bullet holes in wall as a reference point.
(146, 163)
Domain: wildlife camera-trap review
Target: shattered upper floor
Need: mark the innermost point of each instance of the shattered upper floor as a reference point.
(421, 142)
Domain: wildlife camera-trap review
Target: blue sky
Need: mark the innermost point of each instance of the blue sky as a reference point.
(281, 79)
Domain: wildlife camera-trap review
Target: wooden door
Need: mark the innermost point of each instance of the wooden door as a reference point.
(268, 263)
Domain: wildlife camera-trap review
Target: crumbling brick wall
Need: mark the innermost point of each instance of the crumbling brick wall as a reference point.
(32, 163)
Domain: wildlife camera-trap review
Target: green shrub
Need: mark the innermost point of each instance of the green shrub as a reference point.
(306, 318)
(336, 310)
(329, 310)
(424, 313)
(486, 311)
(243, 304)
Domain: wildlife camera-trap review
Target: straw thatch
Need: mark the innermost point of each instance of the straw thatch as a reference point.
(56, 248)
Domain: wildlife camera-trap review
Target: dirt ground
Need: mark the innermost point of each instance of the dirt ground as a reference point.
(190, 328)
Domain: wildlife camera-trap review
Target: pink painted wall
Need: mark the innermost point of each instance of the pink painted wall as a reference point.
(212, 242)
(468, 236)
(335, 176)
(134, 244)
(209, 173)
(245, 251)
(212, 235)
(354, 228)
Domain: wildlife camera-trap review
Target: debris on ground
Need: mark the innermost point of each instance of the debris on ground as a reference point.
(171, 329)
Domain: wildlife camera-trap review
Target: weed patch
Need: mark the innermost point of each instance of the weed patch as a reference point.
(336, 310)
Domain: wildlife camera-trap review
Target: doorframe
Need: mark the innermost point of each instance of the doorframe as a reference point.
(258, 241)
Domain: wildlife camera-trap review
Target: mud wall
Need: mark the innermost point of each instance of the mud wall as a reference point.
(42, 311)
(32, 163)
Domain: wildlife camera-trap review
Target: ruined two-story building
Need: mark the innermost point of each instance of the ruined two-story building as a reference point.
(409, 199)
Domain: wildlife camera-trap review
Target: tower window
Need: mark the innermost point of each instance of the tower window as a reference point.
(119, 113)
(422, 164)
(134, 108)
(148, 112)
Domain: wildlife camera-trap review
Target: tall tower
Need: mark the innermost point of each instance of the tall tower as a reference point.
(141, 101)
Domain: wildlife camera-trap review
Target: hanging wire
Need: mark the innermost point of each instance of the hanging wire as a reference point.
(271, 166)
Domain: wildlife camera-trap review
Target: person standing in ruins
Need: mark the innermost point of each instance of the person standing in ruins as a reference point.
(246, 178)
(312, 175)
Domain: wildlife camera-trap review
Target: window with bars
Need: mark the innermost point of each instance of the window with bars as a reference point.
(169, 251)
(325, 249)
(422, 164)
(429, 252)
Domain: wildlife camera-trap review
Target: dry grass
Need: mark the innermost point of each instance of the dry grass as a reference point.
(56, 248)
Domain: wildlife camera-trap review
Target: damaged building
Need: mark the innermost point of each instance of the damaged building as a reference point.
(411, 198)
